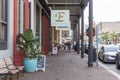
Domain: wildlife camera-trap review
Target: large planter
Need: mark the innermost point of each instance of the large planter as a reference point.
(30, 65)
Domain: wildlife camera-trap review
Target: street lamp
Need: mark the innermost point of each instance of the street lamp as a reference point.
(90, 46)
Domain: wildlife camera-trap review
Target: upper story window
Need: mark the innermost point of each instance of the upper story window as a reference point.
(3, 24)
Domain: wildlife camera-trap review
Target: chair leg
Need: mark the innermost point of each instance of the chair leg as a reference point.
(23, 73)
(4, 77)
(13, 77)
(8, 77)
(17, 75)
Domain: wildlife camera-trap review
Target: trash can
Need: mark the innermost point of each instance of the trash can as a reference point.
(94, 55)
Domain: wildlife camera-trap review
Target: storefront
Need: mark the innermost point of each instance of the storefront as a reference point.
(20, 15)
(33, 15)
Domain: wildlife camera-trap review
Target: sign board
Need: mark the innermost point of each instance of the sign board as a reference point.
(62, 28)
(60, 18)
(55, 50)
(41, 62)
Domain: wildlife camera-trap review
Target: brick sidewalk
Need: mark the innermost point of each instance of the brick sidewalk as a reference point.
(69, 66)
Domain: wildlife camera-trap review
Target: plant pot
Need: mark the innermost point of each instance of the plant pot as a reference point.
(30, 65)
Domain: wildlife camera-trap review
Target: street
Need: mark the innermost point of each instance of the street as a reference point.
(111, 67)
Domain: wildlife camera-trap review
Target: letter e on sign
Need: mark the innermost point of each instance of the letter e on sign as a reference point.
(60, 18)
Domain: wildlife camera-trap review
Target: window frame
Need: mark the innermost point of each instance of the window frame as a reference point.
(3, 24)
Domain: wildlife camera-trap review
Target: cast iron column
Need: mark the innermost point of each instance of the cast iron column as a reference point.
(90, 47)
(78, 40)
(82, 33)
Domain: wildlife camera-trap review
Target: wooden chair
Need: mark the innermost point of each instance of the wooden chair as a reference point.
(11, 66)
(3, 69)
(5, 72)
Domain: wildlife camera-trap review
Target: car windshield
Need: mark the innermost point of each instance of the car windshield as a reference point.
(111, 49)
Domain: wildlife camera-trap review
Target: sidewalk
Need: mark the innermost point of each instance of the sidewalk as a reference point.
(69, 66)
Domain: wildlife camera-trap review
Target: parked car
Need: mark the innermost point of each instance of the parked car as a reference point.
(118, 60)
(107, 53)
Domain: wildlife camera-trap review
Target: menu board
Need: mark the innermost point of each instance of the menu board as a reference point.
(55, 50)
(41, 61)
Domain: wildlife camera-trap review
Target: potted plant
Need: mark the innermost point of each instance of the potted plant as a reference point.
(31, 49)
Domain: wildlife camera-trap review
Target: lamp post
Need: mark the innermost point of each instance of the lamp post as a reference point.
(90, 46)
(78, 40)
(82, 33)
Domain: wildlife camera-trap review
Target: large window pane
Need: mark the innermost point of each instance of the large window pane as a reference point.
(37, 23)
(3, 24)
(3, 37)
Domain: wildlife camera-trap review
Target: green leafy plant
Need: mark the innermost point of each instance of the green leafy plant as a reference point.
(28, 45)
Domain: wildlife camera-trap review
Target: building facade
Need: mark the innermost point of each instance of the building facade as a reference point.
(18, 15)
(108, 27)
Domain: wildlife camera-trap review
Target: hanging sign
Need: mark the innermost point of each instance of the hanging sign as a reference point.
(60, 18)
(41, 61)
(62, 28)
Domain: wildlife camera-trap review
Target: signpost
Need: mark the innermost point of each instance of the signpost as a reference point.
(41, 61)
(55, 50)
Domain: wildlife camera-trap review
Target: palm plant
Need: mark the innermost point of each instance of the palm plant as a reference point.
(28, 44)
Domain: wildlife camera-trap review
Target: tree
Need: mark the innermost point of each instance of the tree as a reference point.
(108, 36)
(104, 36)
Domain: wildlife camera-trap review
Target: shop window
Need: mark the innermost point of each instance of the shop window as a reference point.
(29, 15)
(20, 20)
(3, 24)
(37, 23)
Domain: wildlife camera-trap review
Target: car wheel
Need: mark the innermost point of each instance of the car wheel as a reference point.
(117, 65)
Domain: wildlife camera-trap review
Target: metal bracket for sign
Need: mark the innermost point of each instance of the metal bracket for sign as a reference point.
(41, 63)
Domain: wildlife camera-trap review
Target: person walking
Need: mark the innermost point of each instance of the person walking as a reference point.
(69, 46)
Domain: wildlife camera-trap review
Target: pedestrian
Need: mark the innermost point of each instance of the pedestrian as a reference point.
(58, 47)
(75, 49)
(69, 46)
(64, 46)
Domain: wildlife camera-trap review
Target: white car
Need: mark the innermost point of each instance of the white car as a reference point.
(107, 53)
